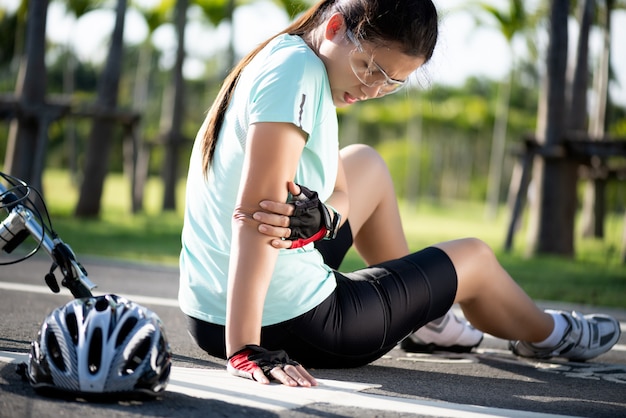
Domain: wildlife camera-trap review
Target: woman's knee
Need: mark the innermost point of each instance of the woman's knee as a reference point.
(366, 170)
(480, 248)
(471, 256)
(362, 155)
(475, 264)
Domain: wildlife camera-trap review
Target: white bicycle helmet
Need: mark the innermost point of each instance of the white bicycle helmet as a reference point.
(101, 345)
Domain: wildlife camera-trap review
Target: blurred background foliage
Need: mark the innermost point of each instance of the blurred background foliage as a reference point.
(437, 139)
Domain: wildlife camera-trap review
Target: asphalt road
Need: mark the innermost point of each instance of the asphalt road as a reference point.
(490, 382)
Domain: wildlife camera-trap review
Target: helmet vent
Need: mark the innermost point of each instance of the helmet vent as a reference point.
(95, 351)
(125, 330)
(137, 356)
(164, 349)
(54, 350)
(72, 326)
(102, 304)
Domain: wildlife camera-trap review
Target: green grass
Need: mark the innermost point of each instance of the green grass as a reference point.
(596, 276)
(150, 236)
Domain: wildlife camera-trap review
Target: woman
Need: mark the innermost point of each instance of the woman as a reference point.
(274, 122)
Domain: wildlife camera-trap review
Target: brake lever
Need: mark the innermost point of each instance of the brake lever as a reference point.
(74, 274)
(51, 280)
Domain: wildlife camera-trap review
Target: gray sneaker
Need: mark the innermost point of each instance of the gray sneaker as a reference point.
(448, 333)
(586, 337)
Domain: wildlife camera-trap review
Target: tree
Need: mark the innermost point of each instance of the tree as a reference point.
(102, 129)
(577, 100)
(553, 206)
(173, 135)
(12, 28)
(594, 195)
(137, 157)
(78, 8)
(28, 132)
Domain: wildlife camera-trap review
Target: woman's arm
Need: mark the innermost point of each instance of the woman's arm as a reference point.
(272, 154)
(274, 219)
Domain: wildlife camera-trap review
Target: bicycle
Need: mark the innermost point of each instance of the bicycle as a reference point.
(24, 220)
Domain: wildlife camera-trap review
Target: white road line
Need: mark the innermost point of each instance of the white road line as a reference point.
(221, 386)
(148, 300)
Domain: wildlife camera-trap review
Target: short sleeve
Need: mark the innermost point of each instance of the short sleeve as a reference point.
(288, 88)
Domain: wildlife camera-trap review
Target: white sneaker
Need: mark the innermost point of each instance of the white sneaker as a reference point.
(586, 337)
(447, 333)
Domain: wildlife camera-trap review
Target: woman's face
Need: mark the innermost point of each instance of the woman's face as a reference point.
(360, 70)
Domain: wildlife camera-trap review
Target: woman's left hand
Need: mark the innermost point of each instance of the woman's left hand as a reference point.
(256, 363)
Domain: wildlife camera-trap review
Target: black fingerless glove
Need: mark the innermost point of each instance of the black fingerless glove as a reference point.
(311, 220)
(253, 357)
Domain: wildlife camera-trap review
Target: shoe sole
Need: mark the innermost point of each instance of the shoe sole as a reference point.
(412, 347)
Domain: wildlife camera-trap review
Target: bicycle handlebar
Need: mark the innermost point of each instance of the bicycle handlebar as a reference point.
(20, 223)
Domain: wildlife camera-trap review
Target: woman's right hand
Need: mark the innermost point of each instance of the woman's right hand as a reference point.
(292, 224)
(274, 219)
(256, 363)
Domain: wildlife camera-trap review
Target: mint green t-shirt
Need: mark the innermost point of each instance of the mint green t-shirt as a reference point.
(286, 82)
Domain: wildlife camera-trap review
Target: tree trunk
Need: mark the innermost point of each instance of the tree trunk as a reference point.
(414, 133)
(498, 146)
(577, 114)
(174, 137)
(624, 240)
(71, 141)
(554, 204)
(594, 195)
(28, 132)
(136, 151)
(102, 129)
(577, 103)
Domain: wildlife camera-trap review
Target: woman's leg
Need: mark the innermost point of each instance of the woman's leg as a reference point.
(374, 214)
(379, 236)
(494, 303)
(490, 298)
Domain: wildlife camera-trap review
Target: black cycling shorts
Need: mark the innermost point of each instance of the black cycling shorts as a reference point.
(370, 311)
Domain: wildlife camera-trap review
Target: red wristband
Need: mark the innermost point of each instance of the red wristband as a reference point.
(301, 242)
